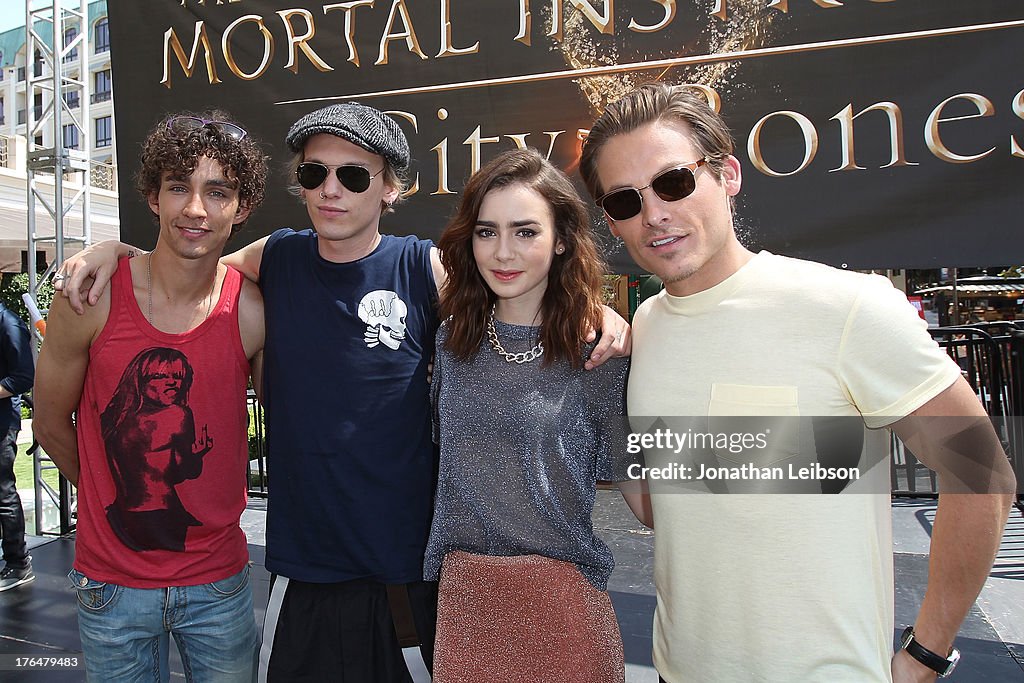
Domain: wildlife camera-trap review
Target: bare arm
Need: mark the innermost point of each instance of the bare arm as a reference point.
(248, 259)
(949, 433)
(638, 498)
(616, 339)
(60, 377)
(99, 262)
(253, 330)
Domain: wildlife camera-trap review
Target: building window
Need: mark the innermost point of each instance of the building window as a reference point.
(103, 131)
(1, 111)
(69, 36)
(71, 97)
(71, 137)
(102, 36)
(37, 65)
(101, 91)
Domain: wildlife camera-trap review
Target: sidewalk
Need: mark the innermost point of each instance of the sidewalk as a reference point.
(41, 617)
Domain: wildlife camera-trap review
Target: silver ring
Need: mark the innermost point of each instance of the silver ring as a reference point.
(58, 277)
(323, 196)
(618, 336)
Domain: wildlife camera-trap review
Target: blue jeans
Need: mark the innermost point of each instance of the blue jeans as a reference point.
(125, 631)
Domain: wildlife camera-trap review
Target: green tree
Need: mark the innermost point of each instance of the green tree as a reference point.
(13, 286)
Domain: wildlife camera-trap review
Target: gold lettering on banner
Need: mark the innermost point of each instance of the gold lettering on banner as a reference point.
(268, 47)
(411, 118)
(709, 93)
(670, 14)
(474, 141)
(810, 137)
(350, 24)
(931, 130)
(783, 5)
(1018, 109)
(520, 140)
(398, 8)
(446, 35)
(301, 42)
(604, 22)
(846, 117)
(200, 39)
(525, 22)
(441, 149)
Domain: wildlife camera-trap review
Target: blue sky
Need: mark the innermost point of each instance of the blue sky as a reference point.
(12, 12)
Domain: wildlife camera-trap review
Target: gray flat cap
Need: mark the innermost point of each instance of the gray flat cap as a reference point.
(369, 128)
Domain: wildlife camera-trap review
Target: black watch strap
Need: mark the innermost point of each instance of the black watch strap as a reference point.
(943, 666)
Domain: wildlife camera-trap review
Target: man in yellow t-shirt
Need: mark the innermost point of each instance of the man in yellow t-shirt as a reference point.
(783, 587)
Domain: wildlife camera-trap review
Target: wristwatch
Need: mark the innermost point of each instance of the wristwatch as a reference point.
(943, 666)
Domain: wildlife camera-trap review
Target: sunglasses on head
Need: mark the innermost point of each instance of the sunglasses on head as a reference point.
(183, 125)
(312, 175)
(671, 186)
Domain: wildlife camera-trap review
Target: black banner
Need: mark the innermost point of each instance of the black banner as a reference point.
(872, 133)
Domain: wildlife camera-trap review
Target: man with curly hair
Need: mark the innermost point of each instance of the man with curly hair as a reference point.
(155, 375)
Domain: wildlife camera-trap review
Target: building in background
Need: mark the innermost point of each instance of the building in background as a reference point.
(14, 101)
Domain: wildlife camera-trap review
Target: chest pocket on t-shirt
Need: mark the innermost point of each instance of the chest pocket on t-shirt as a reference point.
(761, 423)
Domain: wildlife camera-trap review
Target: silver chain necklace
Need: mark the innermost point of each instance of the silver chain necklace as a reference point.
(149, 293)
(525, 357)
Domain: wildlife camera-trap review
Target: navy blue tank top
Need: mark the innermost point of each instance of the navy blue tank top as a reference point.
(351, 464)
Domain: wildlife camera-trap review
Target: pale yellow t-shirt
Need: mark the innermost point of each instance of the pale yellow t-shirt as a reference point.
(774, 587)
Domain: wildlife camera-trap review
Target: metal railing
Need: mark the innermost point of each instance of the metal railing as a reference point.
(257, 449)
(991, 359)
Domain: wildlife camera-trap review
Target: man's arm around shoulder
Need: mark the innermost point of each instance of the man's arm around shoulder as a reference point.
(253, 331)
(953, 435)
(60, 378)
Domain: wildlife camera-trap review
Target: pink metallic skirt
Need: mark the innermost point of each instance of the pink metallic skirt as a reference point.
(523, 619)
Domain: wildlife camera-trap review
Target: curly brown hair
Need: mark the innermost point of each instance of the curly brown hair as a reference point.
(178, 152)
(571, 306)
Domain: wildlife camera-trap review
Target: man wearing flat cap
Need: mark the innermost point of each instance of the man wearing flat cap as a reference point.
(351, 318)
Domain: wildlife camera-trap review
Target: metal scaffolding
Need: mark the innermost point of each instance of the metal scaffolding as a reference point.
(59, 70)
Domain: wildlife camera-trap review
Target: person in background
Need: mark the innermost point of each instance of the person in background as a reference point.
(16, 370)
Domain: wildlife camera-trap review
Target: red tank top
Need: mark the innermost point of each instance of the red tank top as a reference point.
(163, 447)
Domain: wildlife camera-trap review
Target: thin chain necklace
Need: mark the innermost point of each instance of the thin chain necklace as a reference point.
(149, 294)
(525, 357)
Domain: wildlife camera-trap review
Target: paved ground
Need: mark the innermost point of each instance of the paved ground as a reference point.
(40, 618)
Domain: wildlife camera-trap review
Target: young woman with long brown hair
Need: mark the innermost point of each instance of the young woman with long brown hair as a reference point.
(524, 433)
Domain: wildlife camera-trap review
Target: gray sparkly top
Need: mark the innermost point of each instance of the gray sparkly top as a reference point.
(521, 449)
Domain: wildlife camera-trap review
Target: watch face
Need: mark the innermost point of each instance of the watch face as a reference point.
(953, 658)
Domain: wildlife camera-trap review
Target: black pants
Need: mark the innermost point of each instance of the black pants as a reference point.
(343, 632)
(12, 517)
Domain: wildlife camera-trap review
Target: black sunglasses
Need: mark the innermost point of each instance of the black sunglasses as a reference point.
(671, 186)
(312, 175)
(183, 125)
